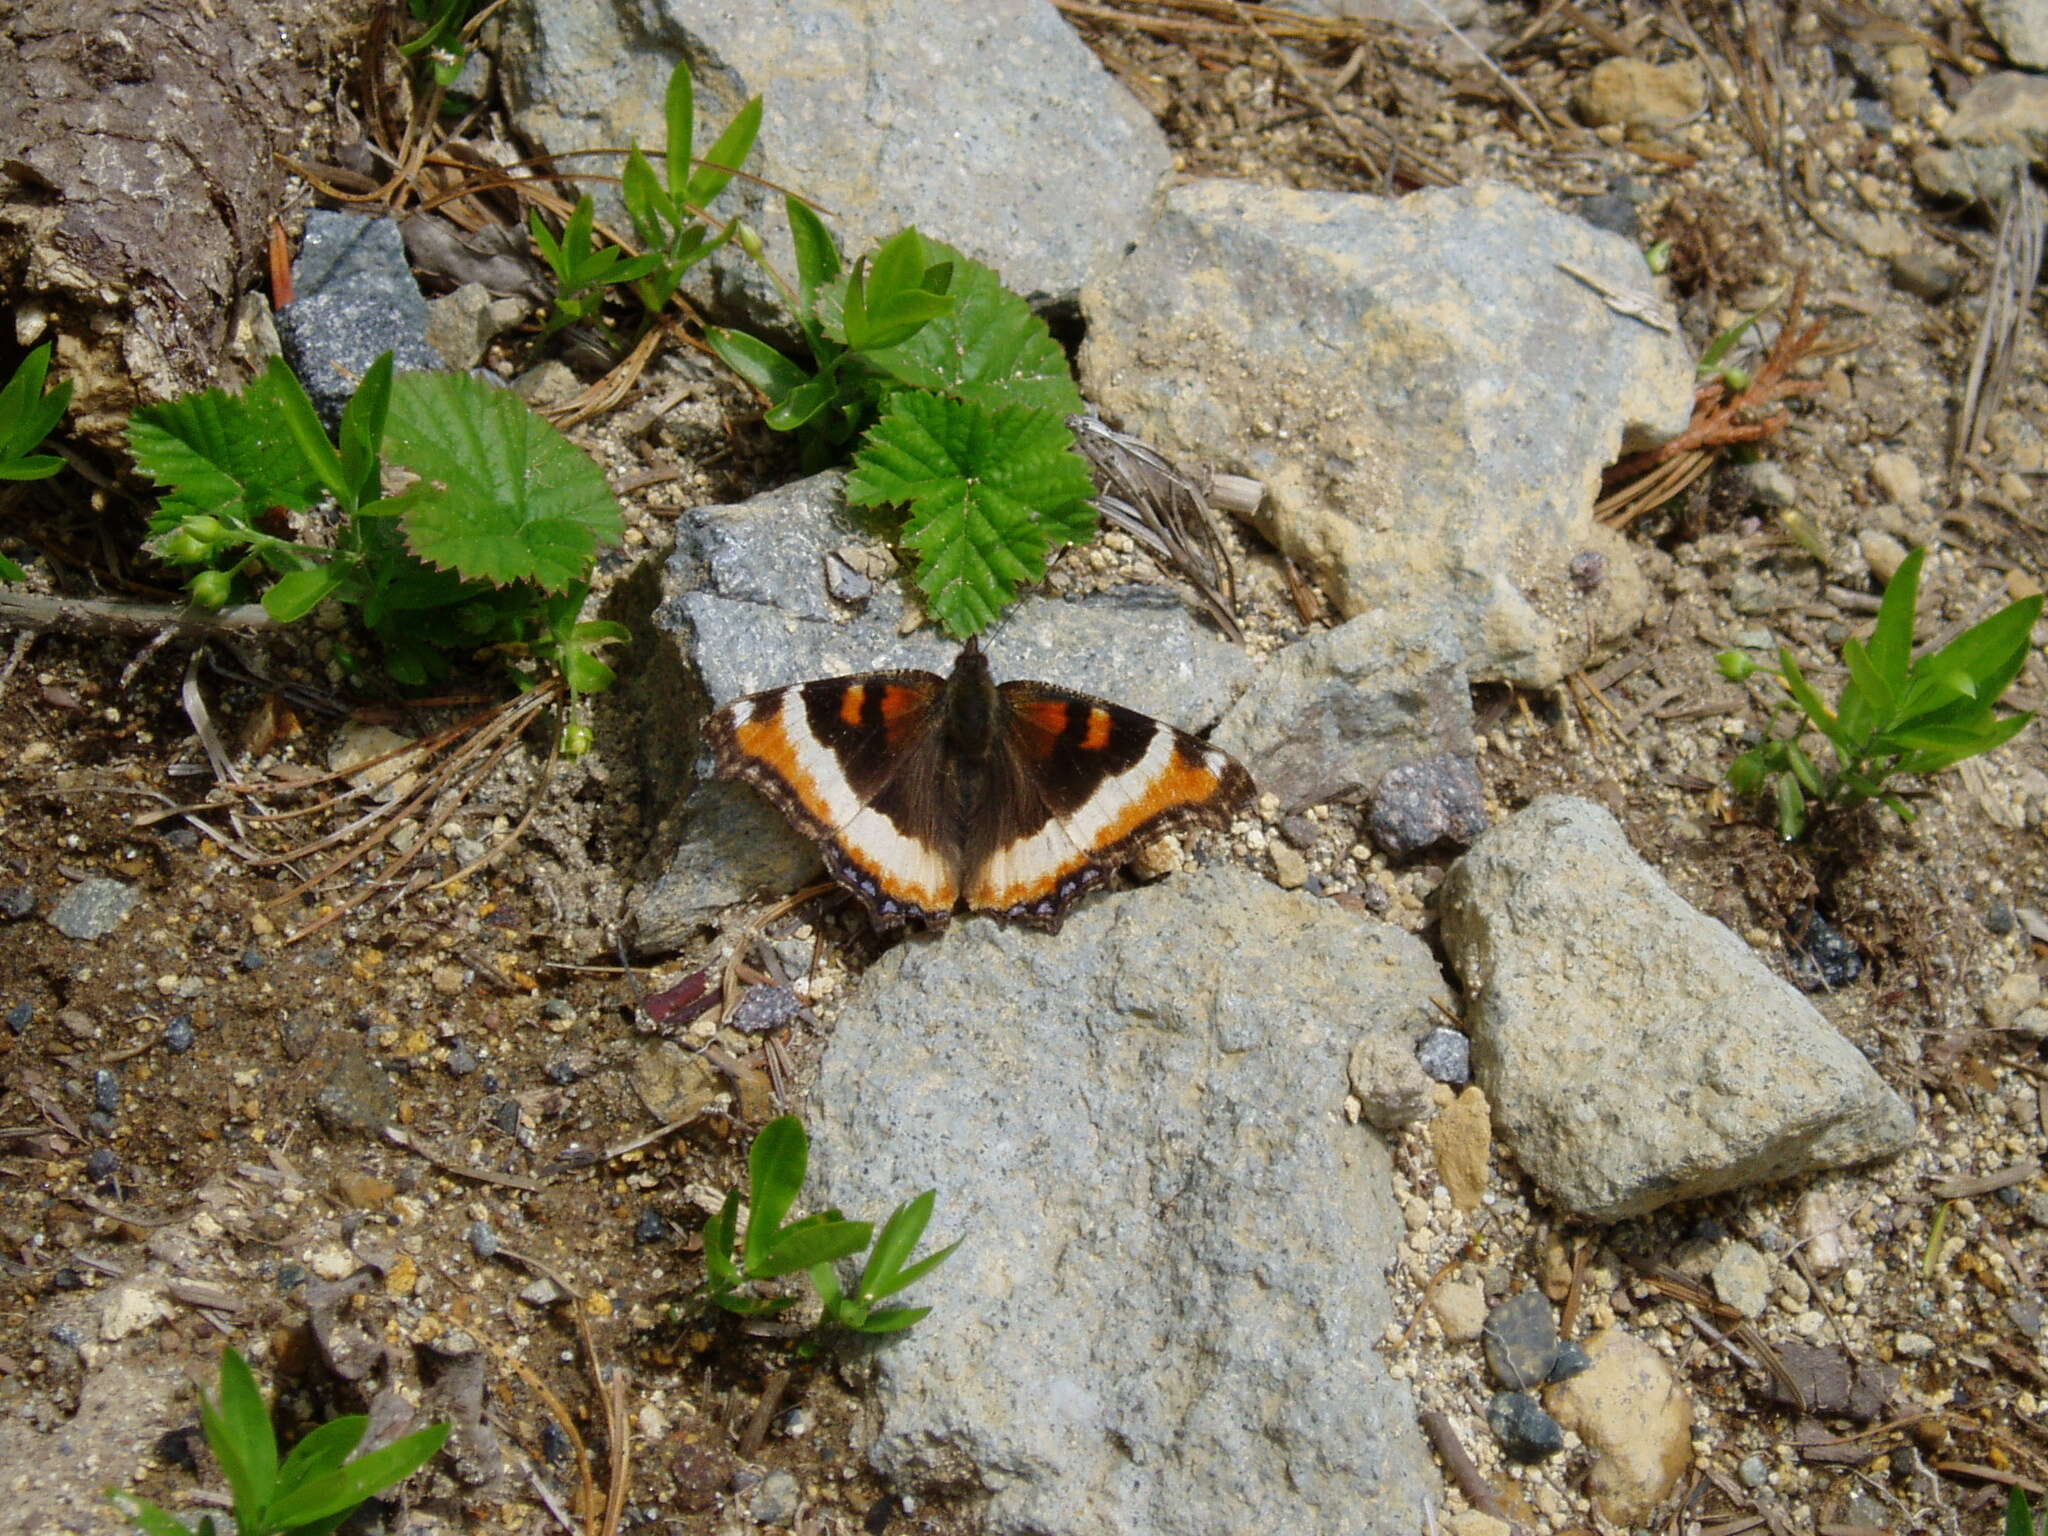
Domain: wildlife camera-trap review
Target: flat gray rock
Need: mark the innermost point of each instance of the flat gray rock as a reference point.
(746, 604)
(1636, 1052)
(357, 299)
(94, 908)
(1163, 1319)
(1327, 717)
(1427, 396)
(991, 126)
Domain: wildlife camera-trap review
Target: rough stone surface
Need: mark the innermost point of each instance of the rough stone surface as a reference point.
(356, 299)
(1579, 965)
(1391, 1087)
(1637, 94)
(1434, 800)
(1330, 715)
(1742, 1279)
(1636, 1417)
(1461, 1137)
(94, 908)
(130, 1392)
(1161, 1318)
(2004, 108)
(1525, 1432)
(965, 120)
(1389, 369)
(2021, 27)
(746, 604)
(1521, 1340)
(1460, 1307)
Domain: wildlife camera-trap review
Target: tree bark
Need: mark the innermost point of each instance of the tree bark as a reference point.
(138, 179)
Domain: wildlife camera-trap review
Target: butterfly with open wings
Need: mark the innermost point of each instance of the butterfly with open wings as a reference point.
(936, 795)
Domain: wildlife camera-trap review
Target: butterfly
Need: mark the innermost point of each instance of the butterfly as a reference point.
(938, 795)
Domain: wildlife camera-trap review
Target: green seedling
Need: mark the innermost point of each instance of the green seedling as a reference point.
(583, 271)
(668, 213)
(309, 1493)
(488, 549)
(27, 416)
(773, 1247)
(444, 40)
(2019, 1519)
(957, 396)
(1897, 714)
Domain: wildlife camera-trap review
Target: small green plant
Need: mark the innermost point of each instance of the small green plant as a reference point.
(772, 1247)
(2019, 1519)
(443, 40)
(583, 272)
(670, 218)
(27, 416)
(1897, 714)
(489, 547)
(958, 395)
(311, 1491)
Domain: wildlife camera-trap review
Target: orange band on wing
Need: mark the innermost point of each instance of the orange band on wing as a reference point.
(850, 703)
(1098, 730)
(1181, 782)
(768, 741)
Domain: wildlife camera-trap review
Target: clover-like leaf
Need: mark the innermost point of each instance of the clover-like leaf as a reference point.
(989, 493)
(502, 496)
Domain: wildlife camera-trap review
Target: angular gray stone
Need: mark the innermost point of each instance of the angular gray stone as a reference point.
(746, 604)
(1428, 398)
(2004, 107)
(1162, 1319)
(1331, 714)
(2021, 27)
(356, 299)
(94, 908)
(1435, 800)
(990, 126)
(1635, 1051)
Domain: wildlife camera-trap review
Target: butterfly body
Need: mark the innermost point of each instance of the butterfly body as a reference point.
(932, 796)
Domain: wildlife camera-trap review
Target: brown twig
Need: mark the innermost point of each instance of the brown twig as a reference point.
(1451, 1451)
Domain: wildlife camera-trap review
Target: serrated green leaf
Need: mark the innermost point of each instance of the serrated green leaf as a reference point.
(368, 1474)
(989, 491)
(218, 455)
(988, 347)
(503, 497)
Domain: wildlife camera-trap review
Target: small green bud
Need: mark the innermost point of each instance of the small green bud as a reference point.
(1735, 666)
(207, 530)
(212, 589)
(749, 241)
(1736, 379)
(577, 739)
(180, 548)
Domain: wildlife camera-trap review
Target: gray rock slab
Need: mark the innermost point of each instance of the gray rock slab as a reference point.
(1636, 1052)
(356, 299)
(990, 126)
(1427, 396)
(1163, 1319)
(745, 604)
(2021, 27)
(94, 908)
(1327, 717)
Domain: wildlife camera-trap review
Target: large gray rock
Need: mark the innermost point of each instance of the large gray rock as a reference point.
(1330, 715)
(1162, 1320)
(991, 126)
(1428, 397)
(1635, 1051)
(746, 604)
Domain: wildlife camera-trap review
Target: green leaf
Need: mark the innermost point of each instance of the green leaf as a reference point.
(1791, 808)
(369, 1474)
(362, 433)
(281, 392)
(775, 1168)
(1979, 664)
(1891, 643)
(758, 363)
(988, 347)
(1735, 665)
(752, 1306)
(651, 209)
(721, 1270)
(27, 416)
(802, 1244)
(1941, 747)
(817, 254)
(238, 1428)
(298, 593)
(1746, 773)
(321, 1451)
(9, 571)
(1809, 702)
(2019, 1520)
(679, 113)
(895, 1244)
(1802, 769)
(893, 1319)
(727, 154)
(218, 455)
(154, 1521)
(989, 491)
(1723, 344)
(1871, 683)
(503, 497)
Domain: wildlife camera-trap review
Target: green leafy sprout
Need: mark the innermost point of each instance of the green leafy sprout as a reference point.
(2019, 1519)
(27, 416)
(1897, 714)
(668, 213)
(772, 1246)
(312, 1491)
(489, 548)
(444, 37)
(957, 396)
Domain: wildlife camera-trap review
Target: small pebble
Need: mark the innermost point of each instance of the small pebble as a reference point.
(106, 1091)
(764, 1008)
(505, 1116)
(1290, 869)
(1571, 1360)
(16, 902)
(558, 1008)
(1300, 832)
(461, 1061)
(1823, 959)
(1998, 918)
(561, 1072)
(1445, 1054)
(178, 1035)
(253, 959)
(483, 1239)
(777, 1499)
(540, 1293)
(1913, 1346)
(650, 1228)
(19, 1017)
(1754, 1471)
(1521, 1340)
(1526, 1433)
(101, 1165)
(1897, 476)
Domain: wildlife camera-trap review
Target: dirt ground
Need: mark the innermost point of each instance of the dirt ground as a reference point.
(207, 1059)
